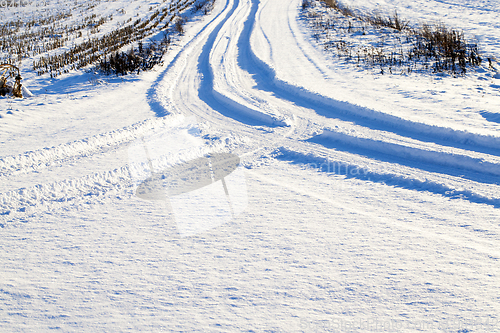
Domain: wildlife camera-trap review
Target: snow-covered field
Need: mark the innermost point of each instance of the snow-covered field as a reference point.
(254, 182)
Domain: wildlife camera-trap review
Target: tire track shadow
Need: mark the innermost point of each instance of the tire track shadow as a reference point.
(352, 171)
(153, 99)
(431, 161)
(217, 101)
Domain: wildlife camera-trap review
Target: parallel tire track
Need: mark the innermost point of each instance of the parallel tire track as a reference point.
(268, 141)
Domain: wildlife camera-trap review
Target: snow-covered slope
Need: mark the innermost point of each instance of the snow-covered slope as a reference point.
(351, 201)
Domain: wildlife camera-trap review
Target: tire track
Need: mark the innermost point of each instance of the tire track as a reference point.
(17, 205)
(268, 80)
(218, 101)
(440, 169)
(386, 173)
(413, 168)
(475, 169)
(33, 161)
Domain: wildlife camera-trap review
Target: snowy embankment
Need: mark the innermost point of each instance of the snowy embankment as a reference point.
(360, 201)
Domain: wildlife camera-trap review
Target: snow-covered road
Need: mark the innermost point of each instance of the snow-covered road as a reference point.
(360, 205)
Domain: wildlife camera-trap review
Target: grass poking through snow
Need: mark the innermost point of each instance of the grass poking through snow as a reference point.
(390, 43)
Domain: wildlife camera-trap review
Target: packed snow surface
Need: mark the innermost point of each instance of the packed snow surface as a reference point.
(255, 182)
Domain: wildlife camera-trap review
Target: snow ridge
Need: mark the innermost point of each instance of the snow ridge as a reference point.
(35, 160)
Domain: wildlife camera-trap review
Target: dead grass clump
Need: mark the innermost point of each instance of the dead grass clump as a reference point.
(179, 26)
(345, 10)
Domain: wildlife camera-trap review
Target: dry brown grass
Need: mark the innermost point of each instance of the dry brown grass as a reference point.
(446, 49)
